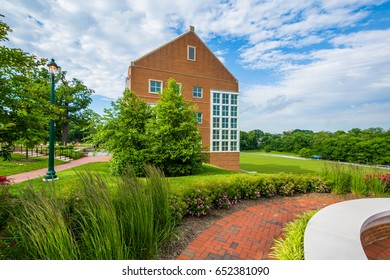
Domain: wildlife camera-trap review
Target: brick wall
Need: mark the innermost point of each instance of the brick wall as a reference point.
(375, 233)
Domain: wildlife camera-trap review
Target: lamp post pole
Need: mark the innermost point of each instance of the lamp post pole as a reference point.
(51, 174)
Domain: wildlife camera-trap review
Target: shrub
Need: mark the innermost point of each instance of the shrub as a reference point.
(4, 201)
(200, 199)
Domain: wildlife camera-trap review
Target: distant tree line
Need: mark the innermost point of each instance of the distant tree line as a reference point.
(370, 146)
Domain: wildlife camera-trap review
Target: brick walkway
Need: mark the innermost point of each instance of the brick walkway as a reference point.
(249, 234)
(17, 178)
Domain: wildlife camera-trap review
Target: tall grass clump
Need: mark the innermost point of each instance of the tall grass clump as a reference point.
(41, 225)
(290, 246)
(144, 210)
(129, 218)
(96, 223)
(339, 176)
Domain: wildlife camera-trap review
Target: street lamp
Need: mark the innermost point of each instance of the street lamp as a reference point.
(51, 174)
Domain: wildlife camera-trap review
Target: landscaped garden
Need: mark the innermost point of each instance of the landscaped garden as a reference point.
(91, 214)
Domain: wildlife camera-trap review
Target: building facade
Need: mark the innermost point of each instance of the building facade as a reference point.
(203, 80)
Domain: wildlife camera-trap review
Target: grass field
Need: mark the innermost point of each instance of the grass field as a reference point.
(269, 163)
(19, 164)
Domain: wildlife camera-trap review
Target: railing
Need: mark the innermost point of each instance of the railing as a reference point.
(61, 152)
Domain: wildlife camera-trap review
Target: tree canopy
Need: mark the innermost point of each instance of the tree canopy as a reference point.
(165, 135)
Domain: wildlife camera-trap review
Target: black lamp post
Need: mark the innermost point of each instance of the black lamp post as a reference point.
(51, 174)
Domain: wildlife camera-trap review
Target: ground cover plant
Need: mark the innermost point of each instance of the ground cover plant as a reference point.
(290, 245)
(19, 164)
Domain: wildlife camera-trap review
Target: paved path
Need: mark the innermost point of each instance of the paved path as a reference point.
(249, 234)
(17, 178)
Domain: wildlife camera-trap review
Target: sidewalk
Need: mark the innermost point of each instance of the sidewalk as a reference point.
(17, 178)
(249, 234)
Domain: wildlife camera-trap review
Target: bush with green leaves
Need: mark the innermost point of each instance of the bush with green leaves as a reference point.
(202, 197)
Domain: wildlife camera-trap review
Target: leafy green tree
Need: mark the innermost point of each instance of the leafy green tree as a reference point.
(122, 131)
(23, 84)
(73, 98)
(173, 135)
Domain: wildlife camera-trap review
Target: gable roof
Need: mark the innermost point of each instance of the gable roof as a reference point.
(190, 32)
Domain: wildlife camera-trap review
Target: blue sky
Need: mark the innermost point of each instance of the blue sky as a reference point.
(318, 65)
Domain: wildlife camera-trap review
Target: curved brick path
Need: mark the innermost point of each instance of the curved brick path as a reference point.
(249, 234)
(17, 178)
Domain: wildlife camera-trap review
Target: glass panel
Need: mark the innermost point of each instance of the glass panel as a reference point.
(225, 123)
(215, 122)
(225, 145)
(215, 145)
(233, 146)
(216, 110)
(233, 110)
(216, 134)
(225, 111)
(199, 118)
(216, 98)
(225, 98)
(234, 99)
(225, 134)
(233, 123)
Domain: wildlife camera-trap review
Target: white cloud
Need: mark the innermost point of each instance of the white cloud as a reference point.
(339, 88)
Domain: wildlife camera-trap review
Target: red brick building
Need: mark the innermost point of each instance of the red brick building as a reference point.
(205, 81)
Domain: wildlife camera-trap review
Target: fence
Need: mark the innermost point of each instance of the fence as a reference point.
(61, 152)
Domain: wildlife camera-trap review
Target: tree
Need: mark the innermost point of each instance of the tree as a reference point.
(122, 131)
(173, 135)
(73, 98)
(23, 82)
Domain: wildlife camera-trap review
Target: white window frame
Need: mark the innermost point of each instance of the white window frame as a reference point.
(188, 53)
(224, 118)
(149, 86)
(193, 92)
(201, 118)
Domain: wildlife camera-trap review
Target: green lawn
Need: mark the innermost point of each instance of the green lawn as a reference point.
(19, 164)
(267, 163)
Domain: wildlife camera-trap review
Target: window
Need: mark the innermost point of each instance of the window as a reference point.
(199, 118)
(179, 86)
(155, 86)
(225, 98)
(191, 53)
(197, 92)
(225, 111)
(233, 111)
(215, 122)
(233, 123)
(215, 110)
(234, 99)
(216, 97)
(225, 134)
(225, 123)
(225, 146)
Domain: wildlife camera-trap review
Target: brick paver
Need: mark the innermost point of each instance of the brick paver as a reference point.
(249, 234)
(17, 178)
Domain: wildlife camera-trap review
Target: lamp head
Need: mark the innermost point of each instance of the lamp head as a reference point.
(52, 66)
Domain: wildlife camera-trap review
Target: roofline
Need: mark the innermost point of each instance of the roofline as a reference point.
(191, 30)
